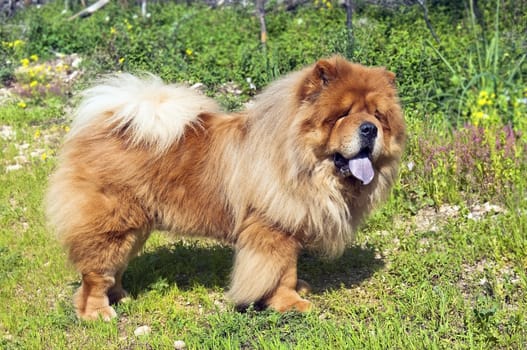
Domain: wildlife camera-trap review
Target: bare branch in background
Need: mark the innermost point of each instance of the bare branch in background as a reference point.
(143, 8)
(349, 24)
(88, 11)
(260, 12)
(422, 3)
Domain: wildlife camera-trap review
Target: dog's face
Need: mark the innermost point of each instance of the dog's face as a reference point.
(355, 118)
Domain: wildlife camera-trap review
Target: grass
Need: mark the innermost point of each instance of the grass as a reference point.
(433, 279)
(441, 265)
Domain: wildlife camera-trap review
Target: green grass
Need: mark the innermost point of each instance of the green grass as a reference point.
(432, 269)
(454, 282)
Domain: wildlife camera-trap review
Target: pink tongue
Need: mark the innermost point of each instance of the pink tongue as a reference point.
(362, 169)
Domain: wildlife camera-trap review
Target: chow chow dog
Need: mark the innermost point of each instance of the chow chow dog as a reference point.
(300, 168)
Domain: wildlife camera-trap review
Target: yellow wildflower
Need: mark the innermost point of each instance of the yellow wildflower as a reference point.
(483, 98)
(21, 104)
(34, 58)
(33, 83)
(113, 31)
(24, 62)
(17, 43)
(37, 134)
(43, 156)
(188, 52)
(121, 60)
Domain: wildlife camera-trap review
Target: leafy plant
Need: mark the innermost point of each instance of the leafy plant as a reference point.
(487, 85)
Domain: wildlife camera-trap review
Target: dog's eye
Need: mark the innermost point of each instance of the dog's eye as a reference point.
(332, 120)
(344, 114)
(382, 119)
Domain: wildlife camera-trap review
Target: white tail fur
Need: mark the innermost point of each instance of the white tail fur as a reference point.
(156, 113)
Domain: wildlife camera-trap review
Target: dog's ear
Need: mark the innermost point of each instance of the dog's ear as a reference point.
(391, 76)
(319, 76)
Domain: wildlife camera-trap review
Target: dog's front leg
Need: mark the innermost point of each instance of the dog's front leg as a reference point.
(265, 268)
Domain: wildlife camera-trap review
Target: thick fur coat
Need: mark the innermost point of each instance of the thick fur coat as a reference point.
(300, 168)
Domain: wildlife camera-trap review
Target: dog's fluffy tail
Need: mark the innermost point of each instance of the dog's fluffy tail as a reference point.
(150, 111)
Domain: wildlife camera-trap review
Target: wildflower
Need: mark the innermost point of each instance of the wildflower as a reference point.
(66, 128)
(478, 117)
(44, 156)
(17, 43)
(33, 83)
(121, 60)
(484, 99)
(21, 104)
(188, 52)
(113, 31)
(34, 58)
(24, 62)
(37, 134)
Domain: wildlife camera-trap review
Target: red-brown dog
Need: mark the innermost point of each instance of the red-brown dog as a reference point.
(301, 168)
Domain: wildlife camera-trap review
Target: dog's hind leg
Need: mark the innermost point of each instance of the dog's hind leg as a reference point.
(103, 229)
(102, 260)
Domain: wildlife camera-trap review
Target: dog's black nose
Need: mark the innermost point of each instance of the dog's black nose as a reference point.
(368, 130)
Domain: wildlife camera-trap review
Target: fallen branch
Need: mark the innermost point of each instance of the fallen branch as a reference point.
(88, 11)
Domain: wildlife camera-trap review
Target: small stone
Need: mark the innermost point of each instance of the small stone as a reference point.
(13, 167)
(143, 330)
(7, 132)
(180, 345)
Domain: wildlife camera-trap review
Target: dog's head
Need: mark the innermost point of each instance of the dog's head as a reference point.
(354, 117)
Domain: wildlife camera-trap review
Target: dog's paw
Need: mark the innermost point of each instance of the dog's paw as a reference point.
(105, 313)
(285, 299)
(302, 287)
(116, 295)
(299, 304)
(302, 306)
